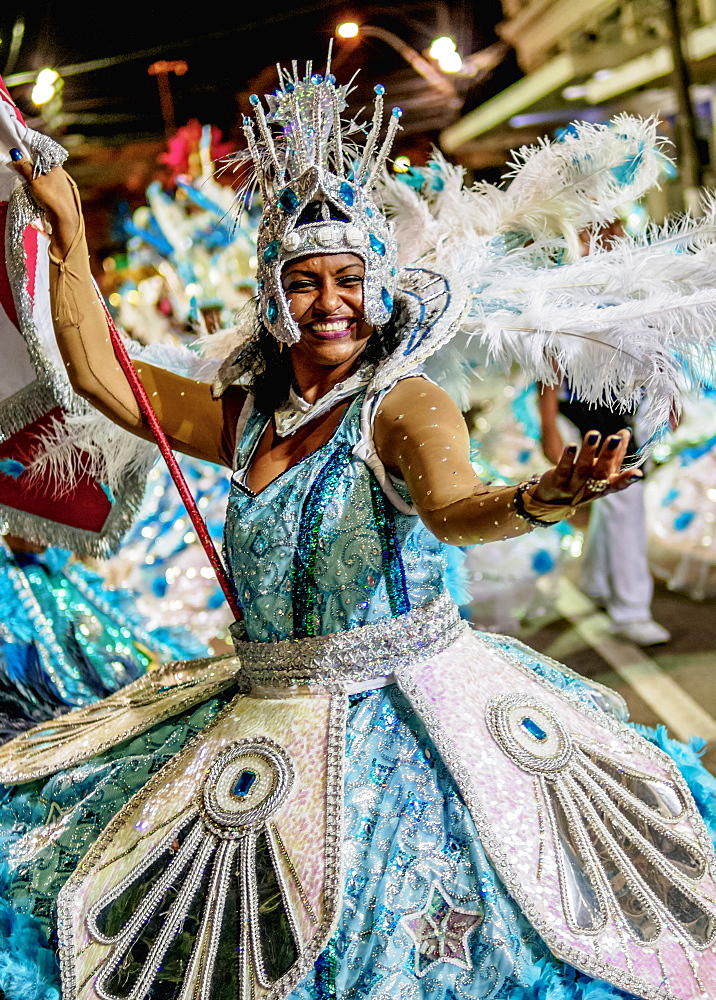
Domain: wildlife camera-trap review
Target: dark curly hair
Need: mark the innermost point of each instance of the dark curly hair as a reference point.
(266, 370)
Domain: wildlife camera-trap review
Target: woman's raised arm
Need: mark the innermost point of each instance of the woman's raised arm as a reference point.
(421, 435)
(194, 422)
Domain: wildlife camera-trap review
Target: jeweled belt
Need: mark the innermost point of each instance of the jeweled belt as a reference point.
(358, 655)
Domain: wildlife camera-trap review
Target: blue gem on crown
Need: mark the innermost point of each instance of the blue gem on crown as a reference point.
(346, 193)
(271, 251)
(288, 200)
(376, 245)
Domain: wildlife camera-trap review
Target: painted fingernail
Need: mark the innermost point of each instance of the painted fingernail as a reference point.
(571, 449)
(635, 477)
(592, 437)
(614, 442)
(15, 154)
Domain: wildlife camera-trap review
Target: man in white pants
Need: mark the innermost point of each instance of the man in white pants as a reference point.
(615, 571)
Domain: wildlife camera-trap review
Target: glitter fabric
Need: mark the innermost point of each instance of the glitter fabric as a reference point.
(406, 829)
(294, 810)
(47, 826)
(305, 588)
(351, 575)
(390, 550)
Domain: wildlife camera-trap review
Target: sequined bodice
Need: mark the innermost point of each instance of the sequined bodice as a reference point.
(321, 549)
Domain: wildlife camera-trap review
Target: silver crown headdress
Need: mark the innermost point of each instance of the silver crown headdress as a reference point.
(312, 159)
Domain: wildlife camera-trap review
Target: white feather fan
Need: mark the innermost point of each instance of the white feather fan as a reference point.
(111, 454)
(639, 317)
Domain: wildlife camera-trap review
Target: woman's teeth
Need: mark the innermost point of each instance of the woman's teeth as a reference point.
(335, 329)
(342, 324)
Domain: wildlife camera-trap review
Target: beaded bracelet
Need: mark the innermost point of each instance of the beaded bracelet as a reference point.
(520, 504)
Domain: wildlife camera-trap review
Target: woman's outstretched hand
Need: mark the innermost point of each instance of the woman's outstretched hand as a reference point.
(588, 472)
(54, 194)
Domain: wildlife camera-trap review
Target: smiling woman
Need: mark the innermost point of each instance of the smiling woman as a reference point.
(324, 294)
(379, 802)
(325, 297)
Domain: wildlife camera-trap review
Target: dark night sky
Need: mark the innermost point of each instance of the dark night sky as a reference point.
(225, 48)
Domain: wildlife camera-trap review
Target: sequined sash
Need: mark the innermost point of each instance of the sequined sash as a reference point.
(362, 656)
(358, 655)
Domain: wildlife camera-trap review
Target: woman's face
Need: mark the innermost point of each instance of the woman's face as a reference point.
(325, 296)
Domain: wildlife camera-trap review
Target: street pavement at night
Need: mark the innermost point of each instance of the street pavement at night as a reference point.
(673, 684)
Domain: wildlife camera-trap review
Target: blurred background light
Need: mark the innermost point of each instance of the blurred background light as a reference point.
(44, 89)
(442, 46)
(46, 77)
(444, 52)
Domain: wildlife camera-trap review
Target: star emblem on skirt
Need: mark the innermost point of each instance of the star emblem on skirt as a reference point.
(440, 931)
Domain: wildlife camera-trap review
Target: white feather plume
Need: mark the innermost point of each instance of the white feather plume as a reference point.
(616, 323)
(639, 317)
(591, 173)
(557, 188)
(414, 226)
(90, 443)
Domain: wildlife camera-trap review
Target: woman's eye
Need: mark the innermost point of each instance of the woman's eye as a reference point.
(351, 279)
(299, 286)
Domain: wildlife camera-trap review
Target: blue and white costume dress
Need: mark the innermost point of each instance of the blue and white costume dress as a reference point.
(376, 801)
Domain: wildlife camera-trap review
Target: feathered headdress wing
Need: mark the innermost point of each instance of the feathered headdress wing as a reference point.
(636, 316)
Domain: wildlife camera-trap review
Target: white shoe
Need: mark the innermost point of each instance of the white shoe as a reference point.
(642, 633)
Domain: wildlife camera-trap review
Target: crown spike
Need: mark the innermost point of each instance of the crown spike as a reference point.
(266, 135)
(329, 57)
(372, 135)
(254, 151)
(298, 135)
(393, 126)
(337, 136)
(317, 115)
